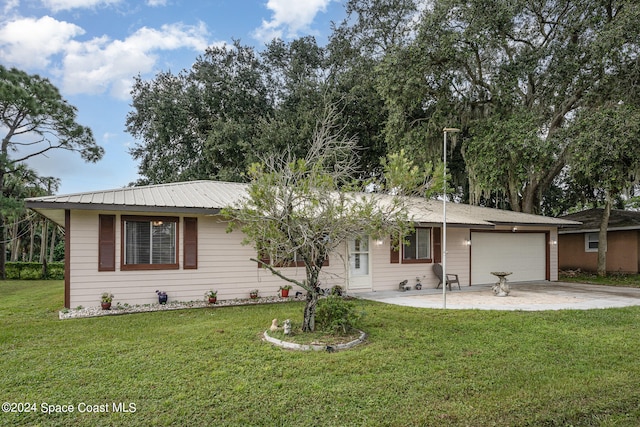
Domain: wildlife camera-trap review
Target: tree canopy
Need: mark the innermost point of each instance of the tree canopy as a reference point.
(34, 119)
(514, 75)
(605, 150)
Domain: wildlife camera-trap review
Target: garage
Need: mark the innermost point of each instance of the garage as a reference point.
(524, 254)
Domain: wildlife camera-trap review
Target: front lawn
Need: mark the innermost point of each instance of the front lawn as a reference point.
(419, 367)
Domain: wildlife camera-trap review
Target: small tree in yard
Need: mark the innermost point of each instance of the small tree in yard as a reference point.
(305, 209)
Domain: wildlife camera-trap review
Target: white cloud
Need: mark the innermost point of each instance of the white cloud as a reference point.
(289, 18)
(108, 136)
(98, 65)
(156, 3)
(102, 64)
(10, 5)
(29, 42)
(58, 5)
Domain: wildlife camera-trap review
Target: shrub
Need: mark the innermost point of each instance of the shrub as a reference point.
(31, 273)
(12, 270)
(336, 290)
(336, 315)
(33, 270)
(55, 271)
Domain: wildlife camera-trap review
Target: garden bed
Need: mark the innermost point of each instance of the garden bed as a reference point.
(118, 309)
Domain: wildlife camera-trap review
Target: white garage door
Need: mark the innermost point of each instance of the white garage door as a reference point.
(522, 253)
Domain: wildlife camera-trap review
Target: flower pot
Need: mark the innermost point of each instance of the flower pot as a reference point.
(106, 305)
(284, 293)
(212, 300)
(253, 295)
(162, 299)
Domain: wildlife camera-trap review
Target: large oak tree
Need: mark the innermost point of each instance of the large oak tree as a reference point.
(512, 74)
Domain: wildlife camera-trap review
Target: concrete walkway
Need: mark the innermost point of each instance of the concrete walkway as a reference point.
(526, 296)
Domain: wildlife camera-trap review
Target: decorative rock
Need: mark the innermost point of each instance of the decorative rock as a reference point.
(315, 346)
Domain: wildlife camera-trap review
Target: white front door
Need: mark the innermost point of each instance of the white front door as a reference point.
(359, 264)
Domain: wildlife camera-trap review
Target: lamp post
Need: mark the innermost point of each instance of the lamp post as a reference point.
(444, 218)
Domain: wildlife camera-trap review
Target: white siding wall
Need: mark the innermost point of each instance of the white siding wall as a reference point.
(459, 254)
(553, 254)
(223, 265)
(387, 276)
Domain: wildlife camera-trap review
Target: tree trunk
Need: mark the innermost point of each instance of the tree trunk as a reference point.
(602, 238)
(3, 245)
(52, 245)
(43, 240)
(32, 238)
(313, 294)
(15, 240)
(514, 195)
(309, 323)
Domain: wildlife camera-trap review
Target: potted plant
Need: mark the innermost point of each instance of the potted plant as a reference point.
(105, 300)
(212, 296)
(284, 291)
(253, 294)
(162, 297)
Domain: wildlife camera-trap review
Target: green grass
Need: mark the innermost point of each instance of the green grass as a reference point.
(611, 279)
(419, 367)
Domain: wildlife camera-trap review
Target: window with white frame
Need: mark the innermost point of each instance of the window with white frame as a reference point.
(591, 242)
(417, 247)
(150, 243)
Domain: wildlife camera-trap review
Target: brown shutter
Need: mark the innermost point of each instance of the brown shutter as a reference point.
(190, 243)
(394, 256)
(107, 243)
(437, 244)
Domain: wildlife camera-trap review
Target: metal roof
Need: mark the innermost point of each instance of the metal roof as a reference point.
(193, 194)
(209, 197)
(430, 211)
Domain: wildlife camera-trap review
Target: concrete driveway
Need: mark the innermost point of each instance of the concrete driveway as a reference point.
(526, 296)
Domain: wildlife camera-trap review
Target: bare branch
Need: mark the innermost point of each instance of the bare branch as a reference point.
(277, 273)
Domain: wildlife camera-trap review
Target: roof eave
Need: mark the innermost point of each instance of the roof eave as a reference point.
(39, 205)
(532, 224)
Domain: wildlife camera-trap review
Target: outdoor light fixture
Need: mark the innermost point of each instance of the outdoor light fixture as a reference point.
(444, 217)
(467, 242)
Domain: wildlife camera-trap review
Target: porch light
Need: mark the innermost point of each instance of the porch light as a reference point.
(467, 242)
(445, 131)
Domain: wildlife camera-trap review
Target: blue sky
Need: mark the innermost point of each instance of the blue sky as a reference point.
(92, 49)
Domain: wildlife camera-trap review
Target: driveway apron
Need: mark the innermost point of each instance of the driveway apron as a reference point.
(525, 296)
